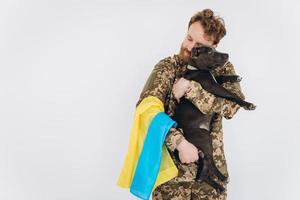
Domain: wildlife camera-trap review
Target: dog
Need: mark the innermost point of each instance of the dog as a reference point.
(196, 125)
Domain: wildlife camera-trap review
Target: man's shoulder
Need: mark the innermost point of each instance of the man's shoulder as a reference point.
(168, 62)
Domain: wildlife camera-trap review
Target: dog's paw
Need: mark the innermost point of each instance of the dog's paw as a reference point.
(250, 107)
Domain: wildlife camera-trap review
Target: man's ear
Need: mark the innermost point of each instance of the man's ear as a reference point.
(215, 45)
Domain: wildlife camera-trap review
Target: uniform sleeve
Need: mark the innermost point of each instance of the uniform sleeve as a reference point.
(159, 84)
(209, 103)
(173, 138)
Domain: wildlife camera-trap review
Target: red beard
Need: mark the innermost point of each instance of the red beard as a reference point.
(185, 54)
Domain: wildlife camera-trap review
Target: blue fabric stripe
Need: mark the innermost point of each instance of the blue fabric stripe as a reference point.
(149, 161)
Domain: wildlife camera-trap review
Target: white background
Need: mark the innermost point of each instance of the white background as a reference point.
(71, 73)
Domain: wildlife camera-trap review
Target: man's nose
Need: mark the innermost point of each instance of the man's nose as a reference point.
(190, 46)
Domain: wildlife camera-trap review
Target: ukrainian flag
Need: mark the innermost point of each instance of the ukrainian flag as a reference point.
(148, 162)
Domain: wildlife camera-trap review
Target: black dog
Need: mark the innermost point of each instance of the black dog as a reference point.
(195, 124)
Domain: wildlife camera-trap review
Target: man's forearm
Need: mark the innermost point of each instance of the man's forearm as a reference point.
(209, 103)
(174, 138)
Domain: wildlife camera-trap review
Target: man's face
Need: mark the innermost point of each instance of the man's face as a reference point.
(195, 38)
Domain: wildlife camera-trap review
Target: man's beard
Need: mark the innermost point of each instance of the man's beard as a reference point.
(184, 54)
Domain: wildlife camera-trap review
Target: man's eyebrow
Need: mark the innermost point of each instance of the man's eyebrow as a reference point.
(197, 43)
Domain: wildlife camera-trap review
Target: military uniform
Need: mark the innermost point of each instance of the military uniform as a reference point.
(159, 84)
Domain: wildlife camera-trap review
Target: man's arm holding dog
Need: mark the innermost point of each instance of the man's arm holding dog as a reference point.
(209, 103)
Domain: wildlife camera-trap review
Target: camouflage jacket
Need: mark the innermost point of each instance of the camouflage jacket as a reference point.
(160, 83)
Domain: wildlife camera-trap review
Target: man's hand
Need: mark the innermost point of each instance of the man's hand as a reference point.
(187, 152)
(180, 87)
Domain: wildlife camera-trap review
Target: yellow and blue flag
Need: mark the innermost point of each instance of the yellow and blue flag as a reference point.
(148, 162)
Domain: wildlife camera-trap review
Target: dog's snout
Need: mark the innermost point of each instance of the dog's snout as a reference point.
(225, 56)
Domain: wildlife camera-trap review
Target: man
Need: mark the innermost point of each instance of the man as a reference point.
(165, 82)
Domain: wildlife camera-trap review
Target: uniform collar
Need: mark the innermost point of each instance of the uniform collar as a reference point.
(179, 60)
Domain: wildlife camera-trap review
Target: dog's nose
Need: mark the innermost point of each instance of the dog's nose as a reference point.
(225, 56)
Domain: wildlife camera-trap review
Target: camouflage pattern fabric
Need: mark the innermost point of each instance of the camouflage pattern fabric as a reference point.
(159, 84)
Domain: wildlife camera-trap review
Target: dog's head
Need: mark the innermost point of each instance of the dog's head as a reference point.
(207, 58)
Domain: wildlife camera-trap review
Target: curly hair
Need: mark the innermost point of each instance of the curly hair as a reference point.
(214, 26)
